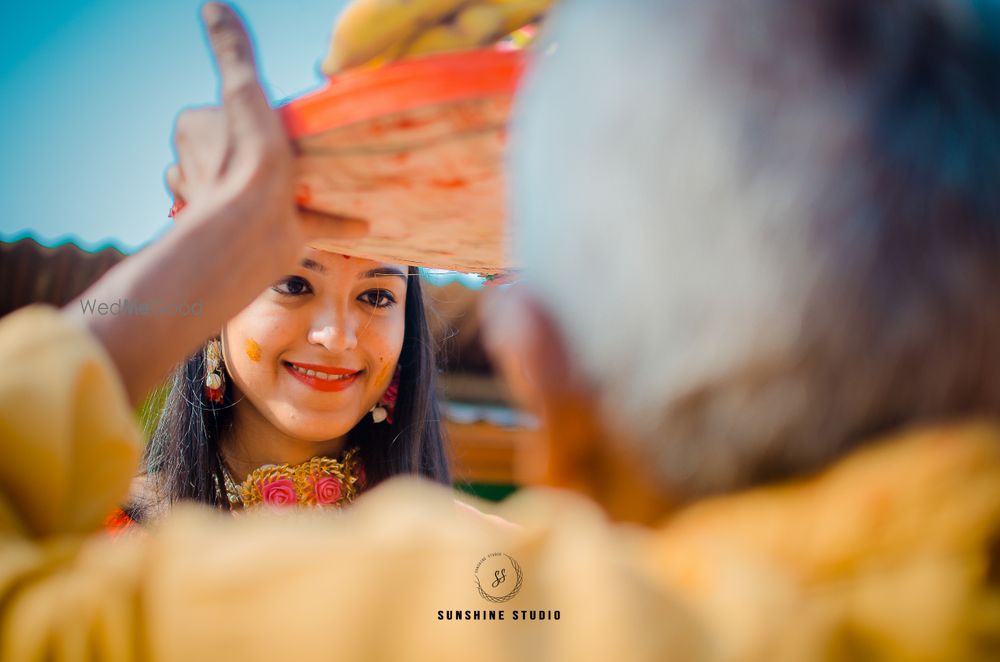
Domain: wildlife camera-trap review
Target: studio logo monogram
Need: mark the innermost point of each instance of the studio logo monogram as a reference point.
(498, 577)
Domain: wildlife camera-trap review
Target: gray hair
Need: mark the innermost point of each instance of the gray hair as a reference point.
(767, 229)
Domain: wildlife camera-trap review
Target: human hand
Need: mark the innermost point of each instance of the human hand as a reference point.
(239, 232)
(235, 161)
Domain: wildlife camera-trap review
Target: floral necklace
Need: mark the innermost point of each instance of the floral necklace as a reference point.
(319, 482)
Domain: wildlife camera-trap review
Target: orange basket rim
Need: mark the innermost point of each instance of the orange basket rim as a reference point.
(359, 95)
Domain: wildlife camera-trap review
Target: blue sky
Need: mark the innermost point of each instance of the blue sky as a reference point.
(91, 90)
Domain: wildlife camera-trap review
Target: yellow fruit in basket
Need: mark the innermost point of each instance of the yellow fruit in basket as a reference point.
(369, 28)
(439, 39)
(518, 13)
(475, 26)
(377, 32)
(393, 53)
(479, 22)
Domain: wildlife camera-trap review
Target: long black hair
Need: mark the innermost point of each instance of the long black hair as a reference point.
(183, 461)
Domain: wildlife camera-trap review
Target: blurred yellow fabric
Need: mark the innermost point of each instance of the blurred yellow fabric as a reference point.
(365, 583)
(891, 554)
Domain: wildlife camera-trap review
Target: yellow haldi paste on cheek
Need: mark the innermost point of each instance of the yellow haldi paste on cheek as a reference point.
(383, 373)
(253, 350)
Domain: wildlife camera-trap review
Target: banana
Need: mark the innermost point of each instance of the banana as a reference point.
(368, 28)
(475, 26)
(439, 39)
(391, 54)
(518, 13)
(376, 32)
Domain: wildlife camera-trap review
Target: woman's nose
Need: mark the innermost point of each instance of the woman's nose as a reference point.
(336, 335)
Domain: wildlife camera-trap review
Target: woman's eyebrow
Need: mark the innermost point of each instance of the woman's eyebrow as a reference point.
(378, 272)
(312, 265)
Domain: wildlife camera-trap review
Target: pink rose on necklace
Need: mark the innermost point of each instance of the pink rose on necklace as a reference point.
(327, 490)
(280, 492)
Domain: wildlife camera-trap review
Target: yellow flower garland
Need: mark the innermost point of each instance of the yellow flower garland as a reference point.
(321, 481)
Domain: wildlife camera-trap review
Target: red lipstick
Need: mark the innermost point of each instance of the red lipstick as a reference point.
(345, 377)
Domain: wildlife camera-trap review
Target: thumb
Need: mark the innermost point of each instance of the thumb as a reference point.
(243, 101)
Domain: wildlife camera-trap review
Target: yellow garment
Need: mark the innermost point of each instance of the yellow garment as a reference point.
(365, 583)
(885, 555)
(893, 553)
(65, 427)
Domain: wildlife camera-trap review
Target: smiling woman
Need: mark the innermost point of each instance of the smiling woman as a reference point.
(320, 388)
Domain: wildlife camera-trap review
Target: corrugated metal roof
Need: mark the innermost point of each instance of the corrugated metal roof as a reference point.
(33, 273)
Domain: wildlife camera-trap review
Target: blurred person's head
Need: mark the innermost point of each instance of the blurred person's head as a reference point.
(304, 365)
(755, 235)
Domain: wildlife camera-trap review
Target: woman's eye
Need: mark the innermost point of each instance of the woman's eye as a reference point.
(378, 298)
(292, 286)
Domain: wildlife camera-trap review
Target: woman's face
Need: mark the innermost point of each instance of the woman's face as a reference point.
(338, 317)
